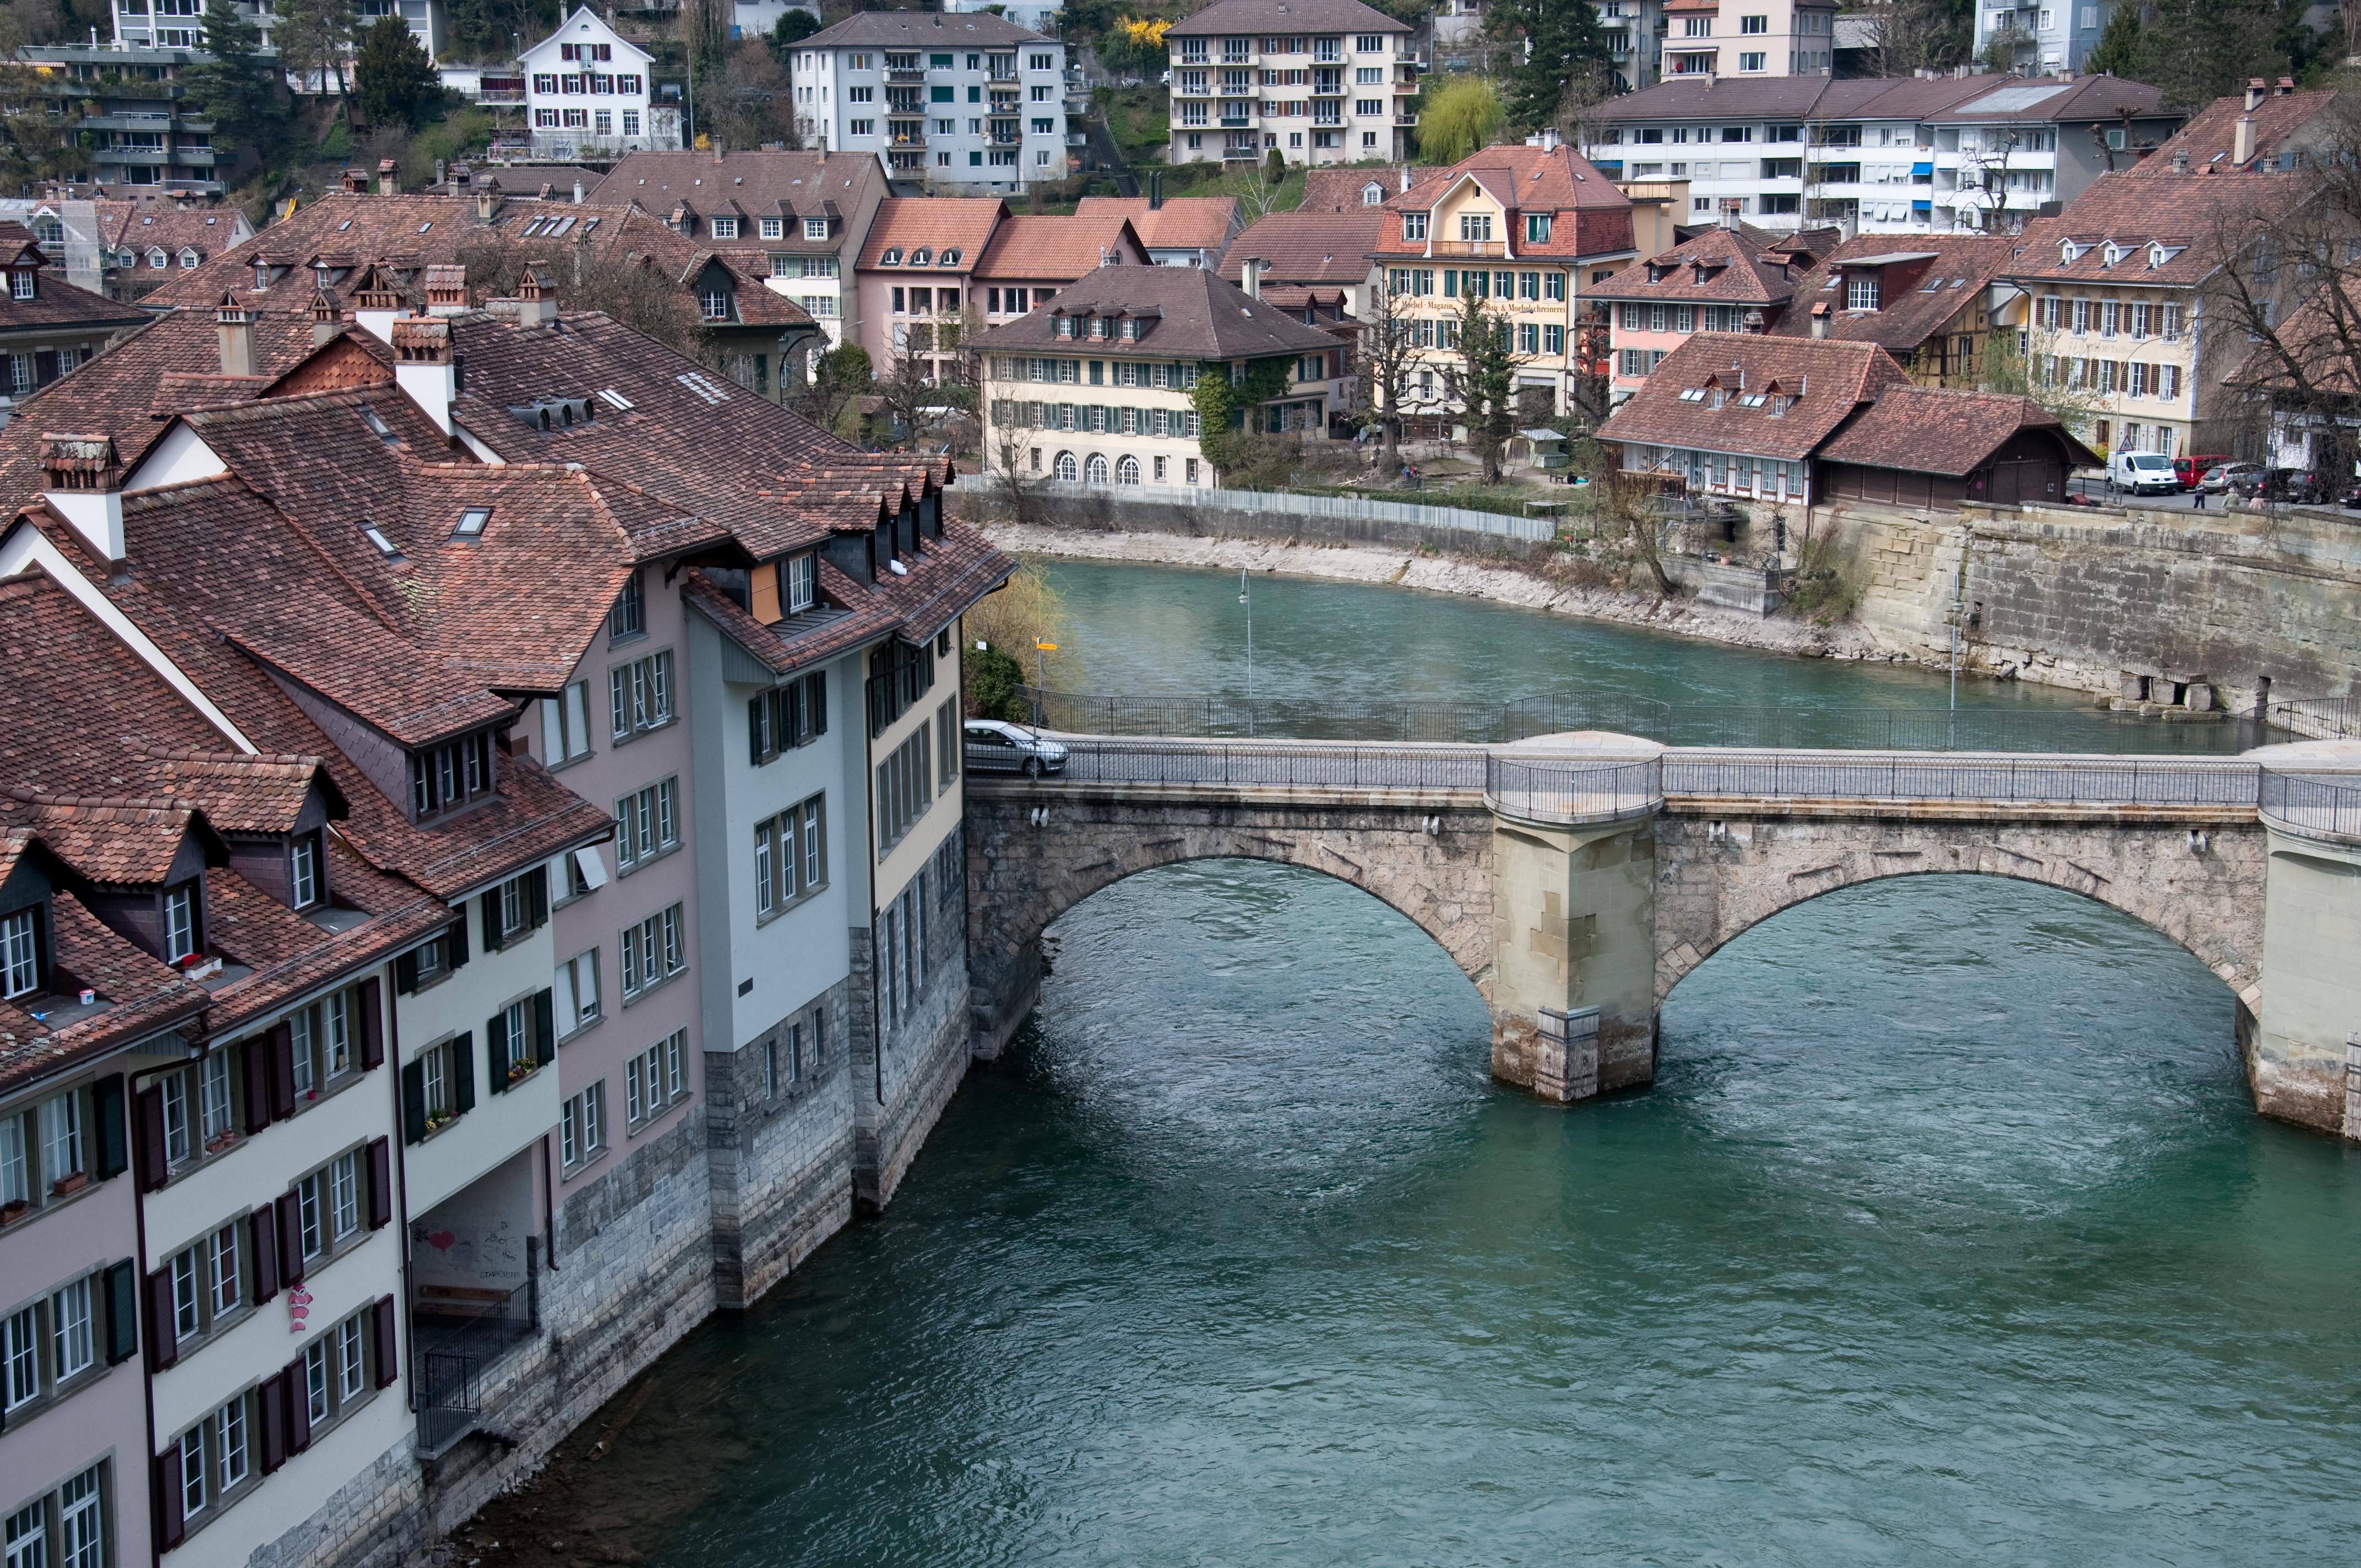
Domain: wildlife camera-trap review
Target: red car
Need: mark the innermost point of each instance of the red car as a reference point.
(2189, 470)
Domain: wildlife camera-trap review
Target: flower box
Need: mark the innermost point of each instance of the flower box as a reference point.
(73, 1182)
(15, 1210)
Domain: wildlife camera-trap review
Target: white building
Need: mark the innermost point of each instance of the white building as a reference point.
(176, 24)
(1041, 15)
(1752, 37)
(967, 102)
(589, 95)
(1316, 80)
(2042, 35)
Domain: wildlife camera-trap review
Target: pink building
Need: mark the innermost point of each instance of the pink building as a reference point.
(914, 276)
(1725, 279)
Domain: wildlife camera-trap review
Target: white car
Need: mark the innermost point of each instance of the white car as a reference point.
(2138, 473)
(994, 746)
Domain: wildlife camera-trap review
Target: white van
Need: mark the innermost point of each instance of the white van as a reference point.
(2138, 473)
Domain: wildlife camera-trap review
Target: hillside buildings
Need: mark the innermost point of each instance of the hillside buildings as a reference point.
(1316, 80)
(1748, 38)
(589, 95)
(2042, 38)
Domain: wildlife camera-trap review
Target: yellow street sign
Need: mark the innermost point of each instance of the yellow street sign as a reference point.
(1047, 647)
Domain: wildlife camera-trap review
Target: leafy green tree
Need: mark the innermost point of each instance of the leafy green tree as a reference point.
(1461, 116)
(994, 682)
(2197, 50)
(236, 90)
(794, 27)
(2117, 53)
(313, 36)
(36, 144)
(1561, 37)
(1487, 382)
(395, 79)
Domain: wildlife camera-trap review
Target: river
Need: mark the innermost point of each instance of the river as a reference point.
(1947, 1234)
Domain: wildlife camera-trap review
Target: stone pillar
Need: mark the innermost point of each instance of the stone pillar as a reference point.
(2301, 1060)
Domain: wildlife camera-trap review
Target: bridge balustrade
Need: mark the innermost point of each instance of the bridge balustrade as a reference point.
(1273, 764)
(2327, 807)
(2004, 778)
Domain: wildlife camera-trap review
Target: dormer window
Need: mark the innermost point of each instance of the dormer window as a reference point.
(261, 274)
(921, 257)
(892, 257)
(20, 952)
(442, 778)
(802, 581)
(949, 257)
(814, 229)
(22, 282)
(1130, 330)
(1860, 293)
(2110, 255)
(1413, 225)
(1537, 228)
(2067, 252)
(304, 871)
(1099, 327)
(725, 228)
(180, 923)
(2155, 257)
(1065, 326)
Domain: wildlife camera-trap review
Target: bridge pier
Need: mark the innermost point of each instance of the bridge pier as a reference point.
(1573, 957)
(2302, 1045)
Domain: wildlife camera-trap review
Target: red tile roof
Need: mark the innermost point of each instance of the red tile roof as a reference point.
(1059, 249)
(1308, 247)
(2280, 123)
(1924, 282)
(1182, 223)
(1718, 266)
(1192, 314)
(2193, 223)
(1591, 217)
(963, 223)
(1827, 379)
(1922, 430)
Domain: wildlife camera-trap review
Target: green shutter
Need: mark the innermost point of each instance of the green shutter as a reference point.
(114, 1136)
(122, 1313)
(495, 1052)
(413, 1103)
(463, 1075)
(545, 1026)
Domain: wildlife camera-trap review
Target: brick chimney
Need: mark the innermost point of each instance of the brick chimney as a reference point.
(235, 325)
(375, 304)
(1250, 277)
(537, 306)
(488, 203)
(447, 290)
(388, 178)
(327, 316)
(356, 182)
(2254, 93)
(84, 478)
(425, 368)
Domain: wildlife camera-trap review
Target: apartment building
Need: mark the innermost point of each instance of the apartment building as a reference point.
(1139, 338)
(966, 102)
(590, 94)
(448, 983)
(1317, 81)
(1543, 226)
(180, 23)
(2041, 38)
(1987, 153)
(141, 128)
(47, 326)
(916, 279)
(1743, 38)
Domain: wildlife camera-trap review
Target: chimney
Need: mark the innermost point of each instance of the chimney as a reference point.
(447, 290)
(535, 306)
(2286, 86)
(375, 304)
(1821, 318)
(2242, 140)
(579, 193)
(425, 367)
(85, 477)
(2254, 93)
(2180, 162)
(1250, 275)
(326, 317)
(488, 203)
(438, 177)
(1405, 176)
(356, 182)
(389, 177)
(1549, 142)
(236, 324)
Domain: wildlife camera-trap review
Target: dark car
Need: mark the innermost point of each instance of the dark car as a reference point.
(994, 746)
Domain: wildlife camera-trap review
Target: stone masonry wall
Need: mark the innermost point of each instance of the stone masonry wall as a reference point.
(781, 1167)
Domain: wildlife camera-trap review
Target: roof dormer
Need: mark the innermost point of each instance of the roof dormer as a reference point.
(2109, 254)
(2067, 251)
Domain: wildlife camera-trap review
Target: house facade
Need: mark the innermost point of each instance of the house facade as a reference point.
(47, 326)
(589, 95)
(1743, 38)
(1316, 80)
(1725, 279)
(916, 279)
(2039, 38)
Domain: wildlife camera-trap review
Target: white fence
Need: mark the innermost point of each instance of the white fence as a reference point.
(1361, 507)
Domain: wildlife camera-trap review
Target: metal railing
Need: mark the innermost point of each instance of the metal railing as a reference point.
(2224, 782)
(2312, 803)
(1278, 765)
(450, 1399)
(2319, 718)
(1572, 789)
(1464, 520)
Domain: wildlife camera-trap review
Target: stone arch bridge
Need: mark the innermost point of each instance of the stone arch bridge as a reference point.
(1576, 879)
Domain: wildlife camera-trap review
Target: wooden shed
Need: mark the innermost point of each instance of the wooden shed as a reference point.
(1916, 446)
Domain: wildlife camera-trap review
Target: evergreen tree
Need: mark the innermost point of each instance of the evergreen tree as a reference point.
(394, 79)
(2117, 53)
(1560, 39)
(236, 88)
(1488, 381)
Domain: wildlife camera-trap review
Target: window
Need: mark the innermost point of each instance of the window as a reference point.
(181, 923)
(20, 970)
(319, 1045)
(655, 1079)
(566, 725)
(786, 716)
(654, 951)
(790, 857)
(629, 618)
(1475, 226)
(948, 736)
(801, 577)
(73, 1517)
(1860, 293)
(444, 777)
(647, 824)
(638, 696)
(328, 1206)
(1751, 61)
(899, 675)
(725, 228)
(1413, 225)
(21, 280)
(582, 1127)
(335, 1374)
(1754, 25)
(905, 789)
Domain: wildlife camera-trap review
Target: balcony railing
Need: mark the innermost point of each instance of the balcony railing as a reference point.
(1233, 120)
(1469, 248)
(915, 77)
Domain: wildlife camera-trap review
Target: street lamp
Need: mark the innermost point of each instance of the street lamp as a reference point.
(1246, 597)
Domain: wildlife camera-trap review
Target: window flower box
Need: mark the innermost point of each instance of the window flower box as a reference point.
(71, 1182)
(15, 1210)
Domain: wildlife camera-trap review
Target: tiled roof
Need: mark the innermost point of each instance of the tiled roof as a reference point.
(239, 793)
(1829, 380)
(937, 222)
(124, 841)
(1308, 247)
(922, 29)
(1183, 223)
(2209, 139)
(59, 305)
(1059, 248)
(1922, 430)
(1734, 272)
(2195, 222)
(764, 183)
(1284, 16)
(1592, 217)
(1346, 190)
(2311, 348)
(1195, 314)
(1936, 277)
(146, 996)
(138, 225)
(1946, 99)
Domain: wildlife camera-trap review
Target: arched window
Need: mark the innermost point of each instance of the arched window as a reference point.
(1096, 470)
(1128, 471)
(1066, 469)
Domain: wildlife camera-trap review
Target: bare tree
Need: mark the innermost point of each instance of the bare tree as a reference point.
(1388, 356)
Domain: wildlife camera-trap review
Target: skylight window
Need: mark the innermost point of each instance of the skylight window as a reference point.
(340, 227)
(615, 400)
(1693, 395)
(385, 546)
(1751, 400)
(704, 386)
(377, 427)
(471, 523)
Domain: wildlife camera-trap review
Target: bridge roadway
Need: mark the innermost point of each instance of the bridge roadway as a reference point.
(1577, 877)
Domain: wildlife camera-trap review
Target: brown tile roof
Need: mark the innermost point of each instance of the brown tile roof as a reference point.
(1308, 247)
(1594, 217)
(239, 793)
(1923, 430)
(1194, 313)
(1344, 189)
(2207, 141)
(120, 841)
(1060, 249)
(959, 222)
(762, 184)
(1285, 15)
(146, 996)
(2195, 222)
(1182, 223)
(1718, 266)
(2310, 349)
(910, 30)
(58, 303)
(1829, 380)
(136, 226)
(1929, 282)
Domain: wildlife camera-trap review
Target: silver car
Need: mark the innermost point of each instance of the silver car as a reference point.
(995, 746)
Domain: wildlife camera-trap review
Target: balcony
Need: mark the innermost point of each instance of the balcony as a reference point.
(912, 78)
(1235, 121)
(1001, 73)
(1468, 248)
(1405, 117)
(1006, 138)
(130, 120)
(141, 157)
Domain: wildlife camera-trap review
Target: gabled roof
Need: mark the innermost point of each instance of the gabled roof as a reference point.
(907, 223)
(1590, 217)
(1718, 266)
(764, 183)
(1288, 17)
(1927, 279)
(1195, 315)
(1057, 248)
(1922, 430)
(922, 29)
(1827, 379)
(2279, 123)
(2193, 224)
(1346, 190)
(1308, 247)
(1183, 223)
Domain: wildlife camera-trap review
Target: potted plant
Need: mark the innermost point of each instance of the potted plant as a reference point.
(520, 1070)
(72, 1181)
(15, 1210)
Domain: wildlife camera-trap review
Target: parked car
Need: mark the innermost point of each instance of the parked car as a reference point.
(2142, 473)
(2294, 486)
(2222, 475)
(996, 747)
(2192, 470)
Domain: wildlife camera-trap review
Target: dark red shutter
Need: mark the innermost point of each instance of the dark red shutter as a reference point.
(299, 1405)
(381, 1183)
(388, 1355)
(263, 1223)
(282, 1071)
(170, 1528)
(258, 1084)
(365, 997)
(148, 1110)
(290, 1239)
(163, 1335)
(270, 1395)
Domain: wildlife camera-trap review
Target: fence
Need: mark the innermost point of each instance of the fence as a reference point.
(1572, 789)
(1274, 765)
(1760, 729)
(1535, 530)
(2312, 803)
(1982, 779)
(450, 1398)
(2319, 718)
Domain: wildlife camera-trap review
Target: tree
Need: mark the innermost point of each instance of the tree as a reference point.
(2196, 50)
(311, 37)
(1387, 355)
(395, 79)
(1485, 382)
(841, 375)
(1908, 36)
(2117, 53)
(1464, 113)
(792, 28)
(236, 90)
(36, 143)
(1559, 38)
(752, 105)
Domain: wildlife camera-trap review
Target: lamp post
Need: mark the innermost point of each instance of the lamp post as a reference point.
(1246, 597)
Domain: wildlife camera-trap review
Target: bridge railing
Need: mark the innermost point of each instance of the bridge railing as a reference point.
(2317, 717)
(1572, 789)
(1982, 779)
(1273, 764)
(2324, 805)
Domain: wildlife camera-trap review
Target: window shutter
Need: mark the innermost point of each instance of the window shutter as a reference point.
(257, 1085)
(288, 1213)
(148, 1110)
(819, 705)
(170, 1528)
(298, 1384)
(283, 1072)
(389, 1354)
(754, 731)
(163, 1341)
(263, 1226)
(405, 973)
(122, 1313)
(463, 1075)
(495, 1052)
(270, 1400)
(458, 939)
(544, 1027)
(413, 1103)
(491, 904)
(106, 1111)
(365, 998)
(536, 896)
(381, 1183)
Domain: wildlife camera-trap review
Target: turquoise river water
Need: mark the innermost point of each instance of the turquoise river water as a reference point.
(1946, 1234)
